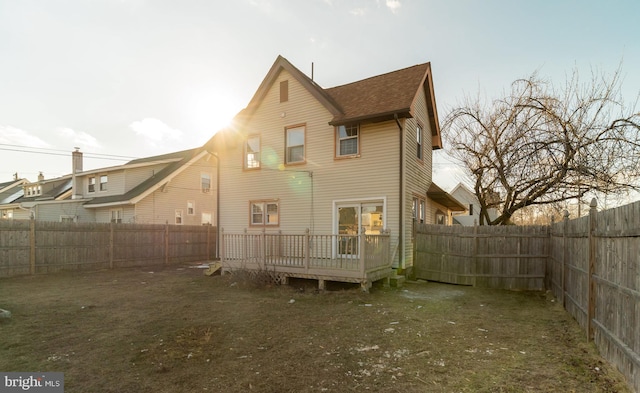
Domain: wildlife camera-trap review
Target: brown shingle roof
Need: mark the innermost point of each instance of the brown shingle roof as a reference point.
(379, 96)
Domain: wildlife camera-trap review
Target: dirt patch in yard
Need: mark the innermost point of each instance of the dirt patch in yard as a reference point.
(175, 330)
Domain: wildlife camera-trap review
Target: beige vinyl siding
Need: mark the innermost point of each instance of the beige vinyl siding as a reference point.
(159, 207)
(418, 173)
(373, 175)
(115, 184)
(432, 208)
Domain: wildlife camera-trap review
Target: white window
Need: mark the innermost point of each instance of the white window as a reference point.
(252, 153)
(103, 182)
(205, 182)
(295, 145)
(67, 219)
(440, 217)
(191, 208)
(264, 213)
(92, 184)
(419, 142)
(419, 210)
(206, 218)
(347, 141)
(178, 217)
(6, 214)
(116, 216)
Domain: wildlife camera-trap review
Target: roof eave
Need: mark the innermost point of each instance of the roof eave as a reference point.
(374, 118)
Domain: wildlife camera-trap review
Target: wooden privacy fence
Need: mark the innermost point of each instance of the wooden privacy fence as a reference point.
(594, 270)
(591, 264)
(509, 257)
(33, 247)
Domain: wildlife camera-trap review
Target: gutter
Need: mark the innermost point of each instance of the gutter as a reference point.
(401, 254)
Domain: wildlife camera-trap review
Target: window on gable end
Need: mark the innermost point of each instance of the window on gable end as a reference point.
(419, 142)
(347, 140)
(295, 138)
(252, 152)
(284, 91)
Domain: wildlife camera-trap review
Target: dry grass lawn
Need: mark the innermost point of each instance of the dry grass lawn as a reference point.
(175, 330)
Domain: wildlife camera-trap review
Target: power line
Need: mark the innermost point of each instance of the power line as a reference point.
(57, 152)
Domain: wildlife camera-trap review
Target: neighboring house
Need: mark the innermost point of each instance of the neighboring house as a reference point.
(10, 192)
(334, 161)
(176, 188)
(443, 206)
(469, 199)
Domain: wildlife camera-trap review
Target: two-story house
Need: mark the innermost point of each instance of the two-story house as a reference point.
(471, 215)
(176, 188)
(350, 159)
(10, 192)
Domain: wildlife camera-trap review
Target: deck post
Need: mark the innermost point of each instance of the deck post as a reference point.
(363, 259)
(307, 249)
(263, 241)
(222, 247)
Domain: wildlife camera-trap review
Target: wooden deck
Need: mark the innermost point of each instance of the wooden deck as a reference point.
(346, 258)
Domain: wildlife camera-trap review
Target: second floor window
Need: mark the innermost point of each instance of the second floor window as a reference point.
(191, 210)
(419, 142)
(103, 183)
(92, 184)
(205, 182)
(252, 153)
(347, 140)
(178, 217)
(295, 145)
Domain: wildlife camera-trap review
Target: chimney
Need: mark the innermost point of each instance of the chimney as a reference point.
(40, 177)
(15, 176)
(76, 161)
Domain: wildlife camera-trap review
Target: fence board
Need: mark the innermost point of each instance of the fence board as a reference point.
(55, 246)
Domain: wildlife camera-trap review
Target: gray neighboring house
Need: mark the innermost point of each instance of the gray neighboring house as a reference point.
(10, 192)
(468, 198)
(176, 188)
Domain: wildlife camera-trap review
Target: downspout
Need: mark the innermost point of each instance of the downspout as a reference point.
(401, 254)
(217, 202)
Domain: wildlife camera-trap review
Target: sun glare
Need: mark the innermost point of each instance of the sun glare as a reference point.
(210, 112)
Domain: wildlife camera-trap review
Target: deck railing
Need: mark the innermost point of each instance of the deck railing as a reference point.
(355, 253)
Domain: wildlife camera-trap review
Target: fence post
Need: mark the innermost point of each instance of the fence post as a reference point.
(474, 267)
(166, 243)
(32, 246)
(592, 268)
(111, 245)
(208, 242)
(565, 253)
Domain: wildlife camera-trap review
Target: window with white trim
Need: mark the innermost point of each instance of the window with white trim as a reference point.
(419, 210)
(191, 208)
(116, 216)
(347, 140)
(252, 152)
(419, 142)
(264, 213)
(178, 217)
(103, 182)
(205, 182)
(295, 145)
(92, 184)
(206, 218)
(66, 218)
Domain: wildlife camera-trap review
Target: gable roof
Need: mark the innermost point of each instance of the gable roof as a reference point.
(378, 98)
(11, 191)
(137, 193)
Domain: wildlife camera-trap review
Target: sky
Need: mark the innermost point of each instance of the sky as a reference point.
(123, 79)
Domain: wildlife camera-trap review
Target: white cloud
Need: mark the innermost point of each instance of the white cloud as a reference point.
(358, 11)
(15, 136)
(393, 5)
(79, 138)
(155, 130)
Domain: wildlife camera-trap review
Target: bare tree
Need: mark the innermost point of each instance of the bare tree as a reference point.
(541, 145)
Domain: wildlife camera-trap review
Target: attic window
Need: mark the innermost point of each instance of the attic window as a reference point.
(284, 91)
